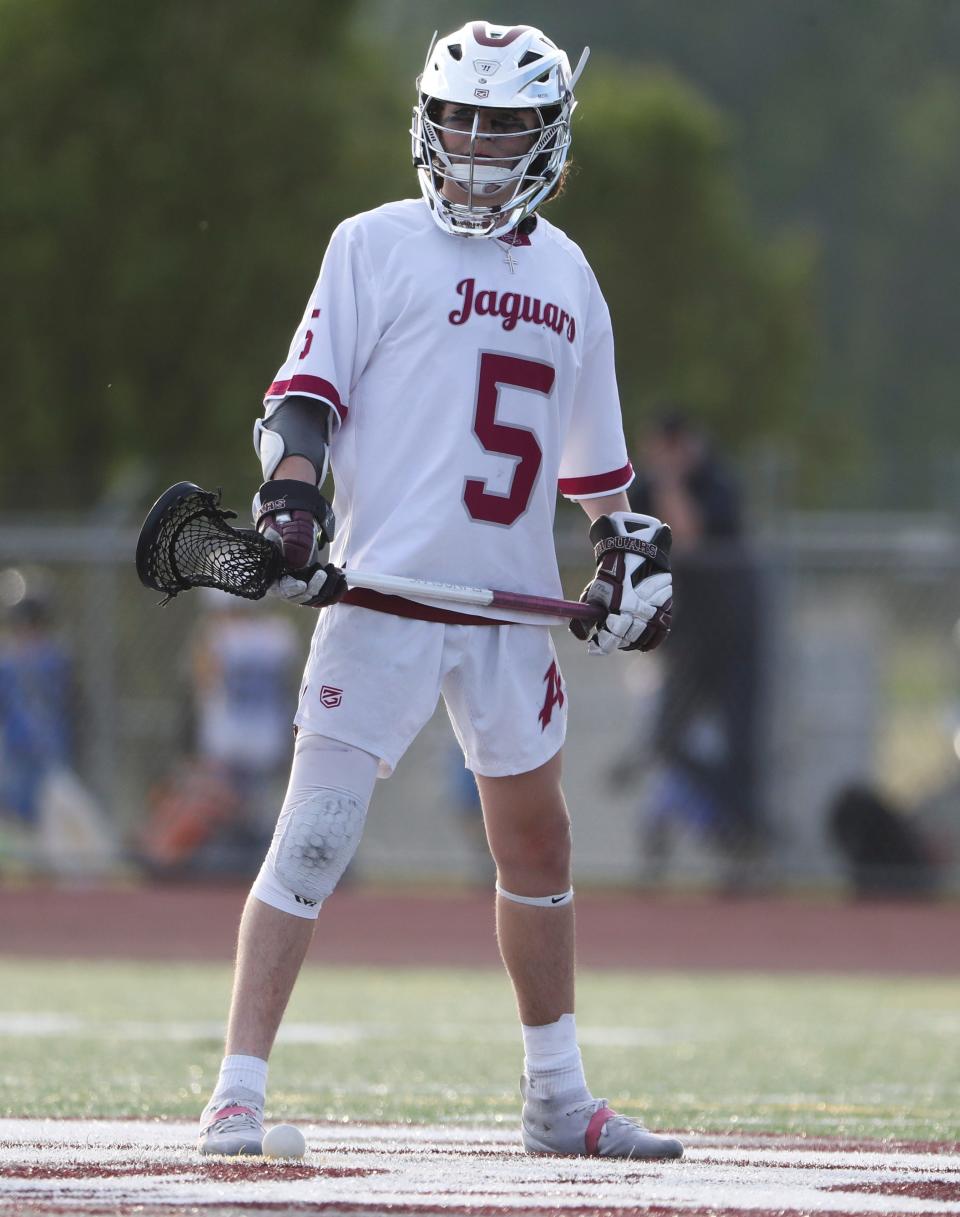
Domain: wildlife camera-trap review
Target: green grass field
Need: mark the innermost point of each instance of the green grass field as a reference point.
(723, 1053)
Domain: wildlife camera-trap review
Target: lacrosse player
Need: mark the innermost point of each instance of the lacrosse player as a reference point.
(455, 365)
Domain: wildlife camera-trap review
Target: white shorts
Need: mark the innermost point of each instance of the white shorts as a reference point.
(373, 680)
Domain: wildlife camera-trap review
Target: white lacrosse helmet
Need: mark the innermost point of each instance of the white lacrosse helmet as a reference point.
(492, 67)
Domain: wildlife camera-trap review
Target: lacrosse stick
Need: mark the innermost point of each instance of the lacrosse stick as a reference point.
(186, 541)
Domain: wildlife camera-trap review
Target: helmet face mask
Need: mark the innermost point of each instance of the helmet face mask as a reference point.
(491, 127)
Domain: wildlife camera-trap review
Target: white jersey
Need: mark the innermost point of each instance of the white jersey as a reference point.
(472, 380)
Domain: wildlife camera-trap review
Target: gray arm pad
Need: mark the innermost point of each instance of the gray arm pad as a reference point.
(300, 426)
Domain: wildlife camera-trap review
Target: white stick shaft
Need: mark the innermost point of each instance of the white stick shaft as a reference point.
(400, 585)
(540, 610)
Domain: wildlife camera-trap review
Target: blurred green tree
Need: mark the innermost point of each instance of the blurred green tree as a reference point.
(705, 311)
(172, 173)
(844, 114)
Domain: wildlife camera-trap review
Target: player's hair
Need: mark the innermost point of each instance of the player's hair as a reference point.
(560, 184)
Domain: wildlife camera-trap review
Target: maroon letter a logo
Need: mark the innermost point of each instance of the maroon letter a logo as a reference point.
(554, 694)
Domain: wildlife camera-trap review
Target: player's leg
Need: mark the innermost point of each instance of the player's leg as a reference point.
(348, 718)
(316, 836)
(508, 706)
(528, 831)
(271, 947)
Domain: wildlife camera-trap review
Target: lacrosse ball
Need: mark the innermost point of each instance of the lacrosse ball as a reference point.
(284, 1141)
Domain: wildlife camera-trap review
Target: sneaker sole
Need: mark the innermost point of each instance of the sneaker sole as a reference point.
(670, 1149)
(233, 1149)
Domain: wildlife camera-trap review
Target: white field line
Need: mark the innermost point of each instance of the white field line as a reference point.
(429, 1169)
(43, 1025)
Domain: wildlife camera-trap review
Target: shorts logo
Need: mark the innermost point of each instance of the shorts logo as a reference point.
(330, 696)
(554, 697)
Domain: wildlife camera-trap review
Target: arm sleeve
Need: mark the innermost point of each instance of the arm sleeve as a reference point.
(337, 333)
(594, 461)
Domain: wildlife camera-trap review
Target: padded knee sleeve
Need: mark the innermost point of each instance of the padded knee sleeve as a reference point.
(315, 841)
(319, 827)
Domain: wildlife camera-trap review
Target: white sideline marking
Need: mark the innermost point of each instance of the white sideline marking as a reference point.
(432, 1168)
(45, 1025)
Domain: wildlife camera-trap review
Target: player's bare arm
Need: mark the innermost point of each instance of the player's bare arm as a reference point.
(605, 505)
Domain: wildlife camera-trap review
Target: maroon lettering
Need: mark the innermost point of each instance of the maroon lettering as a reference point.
(510, 309)
(308, 341)
(507, 439)
(465, 289)
(554, 697)
(486, 304)
(531, 311)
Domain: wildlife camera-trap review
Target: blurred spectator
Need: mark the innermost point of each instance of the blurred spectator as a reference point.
(51, 819)
(703, 734)
(216, 810)
(884, 850)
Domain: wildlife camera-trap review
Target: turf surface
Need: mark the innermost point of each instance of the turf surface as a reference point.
(723, 1053)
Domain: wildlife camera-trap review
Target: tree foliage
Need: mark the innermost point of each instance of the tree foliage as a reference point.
(174, 171)
(844, 115)
(704, 312)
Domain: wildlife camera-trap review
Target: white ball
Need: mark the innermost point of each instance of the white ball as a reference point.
(284, 1141)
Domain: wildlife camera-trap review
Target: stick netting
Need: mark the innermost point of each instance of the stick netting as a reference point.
(190, 544)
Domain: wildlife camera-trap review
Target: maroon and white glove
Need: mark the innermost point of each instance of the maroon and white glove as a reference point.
(296, 518)
(633, 583)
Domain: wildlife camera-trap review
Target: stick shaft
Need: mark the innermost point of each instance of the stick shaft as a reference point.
(481, 597)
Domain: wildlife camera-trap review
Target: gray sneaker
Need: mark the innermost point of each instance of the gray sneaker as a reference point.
(573, 1125)
(232, 1125)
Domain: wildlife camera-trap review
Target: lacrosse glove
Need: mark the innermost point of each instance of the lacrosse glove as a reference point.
(633, 583)
(296, 518)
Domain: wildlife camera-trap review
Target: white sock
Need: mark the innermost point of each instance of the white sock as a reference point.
(248, 1072)
(552, 1060)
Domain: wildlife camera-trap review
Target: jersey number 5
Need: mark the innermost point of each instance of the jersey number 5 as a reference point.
(506, 439)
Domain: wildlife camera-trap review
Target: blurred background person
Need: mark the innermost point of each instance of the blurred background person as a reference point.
(213, 813)
(50, 820)
(702, 726)
(885, 848)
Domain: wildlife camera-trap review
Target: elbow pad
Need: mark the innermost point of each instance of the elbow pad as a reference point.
(300, 426)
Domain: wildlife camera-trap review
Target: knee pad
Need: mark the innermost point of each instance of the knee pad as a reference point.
(315, 840)
(319, 827)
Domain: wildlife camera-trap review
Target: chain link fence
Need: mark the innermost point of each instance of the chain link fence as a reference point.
(801, 729)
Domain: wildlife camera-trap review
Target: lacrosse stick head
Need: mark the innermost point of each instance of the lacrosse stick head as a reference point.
(186, 541)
